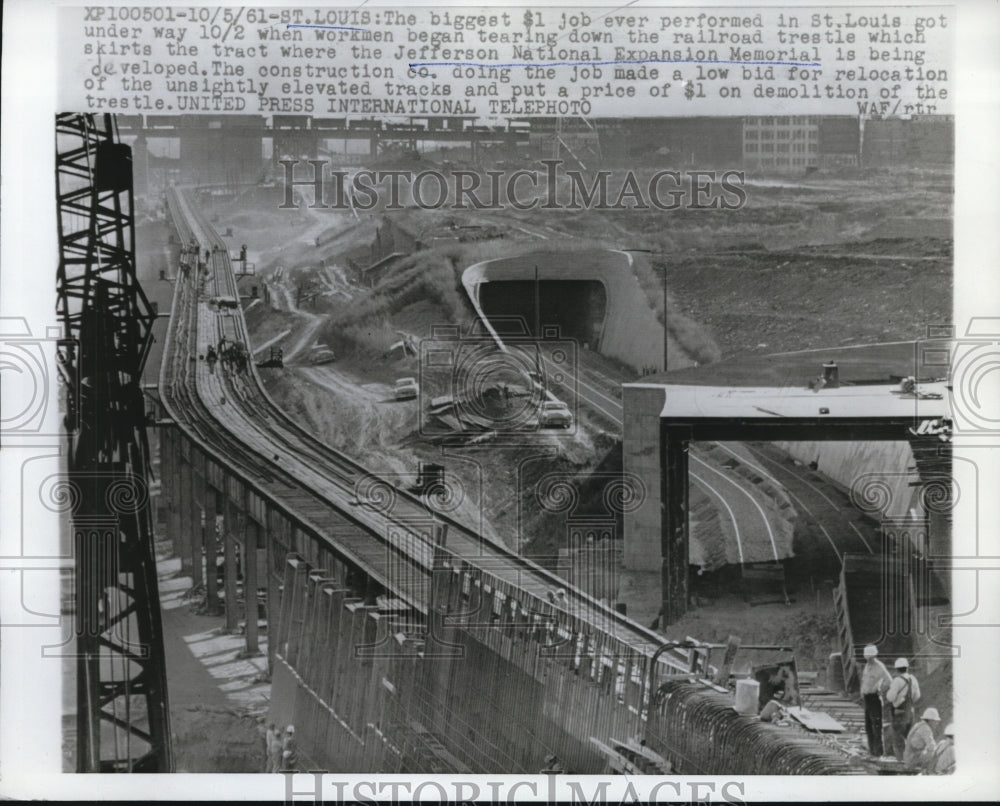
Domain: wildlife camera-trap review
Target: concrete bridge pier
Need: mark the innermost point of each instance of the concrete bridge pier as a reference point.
(674, 446)
(231, 524)
(278, 537)
(268, 582)
(195, 492)
(210, 542)
(155, 438)
(171, 474)
(197, 517)
(250, 540)
(186, 504)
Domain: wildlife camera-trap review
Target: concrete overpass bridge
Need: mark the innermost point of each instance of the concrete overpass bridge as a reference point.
(591, 296)
(398, 639)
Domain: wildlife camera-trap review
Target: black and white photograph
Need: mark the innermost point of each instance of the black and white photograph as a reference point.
(580, 404)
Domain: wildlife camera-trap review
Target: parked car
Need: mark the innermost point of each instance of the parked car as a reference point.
(225, 302)
(321, 354)
(406, 388)
(554, 414)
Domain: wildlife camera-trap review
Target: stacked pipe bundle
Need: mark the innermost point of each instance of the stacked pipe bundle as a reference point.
(701, 734)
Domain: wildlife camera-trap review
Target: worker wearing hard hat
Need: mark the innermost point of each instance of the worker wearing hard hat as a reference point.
(552, 766)
(272, 742)
(902, 697)
(875, 682)
(944, 753)
(920, 742)
(289, 750)
(775, 709)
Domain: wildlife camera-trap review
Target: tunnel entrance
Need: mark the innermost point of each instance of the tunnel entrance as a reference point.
(577, 307)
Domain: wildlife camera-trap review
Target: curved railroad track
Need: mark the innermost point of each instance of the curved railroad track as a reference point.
(234, 418)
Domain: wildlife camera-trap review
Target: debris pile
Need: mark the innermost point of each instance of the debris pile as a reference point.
(501, 406)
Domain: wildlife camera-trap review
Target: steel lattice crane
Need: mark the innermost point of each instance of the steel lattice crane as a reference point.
(122, 713)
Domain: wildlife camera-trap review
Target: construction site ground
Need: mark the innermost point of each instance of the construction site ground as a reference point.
(218, 695)
(809, 262)
(215, 688)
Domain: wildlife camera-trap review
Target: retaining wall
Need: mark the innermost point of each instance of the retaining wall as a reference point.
(873, 471)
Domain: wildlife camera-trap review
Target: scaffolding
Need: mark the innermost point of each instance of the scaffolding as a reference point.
(122, 713)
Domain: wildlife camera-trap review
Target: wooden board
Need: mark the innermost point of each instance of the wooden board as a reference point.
(815, 720)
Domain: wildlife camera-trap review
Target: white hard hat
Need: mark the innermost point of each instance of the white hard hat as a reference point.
(949, 729)
(290, 729)
(902, 663)
(931, 713)
(871, 651)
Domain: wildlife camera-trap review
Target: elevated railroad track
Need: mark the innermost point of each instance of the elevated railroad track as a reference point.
(528, 673)
(233, 416)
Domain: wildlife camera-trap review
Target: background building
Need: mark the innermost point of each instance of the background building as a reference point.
(924, 140)
(783, 144)
(839, 141)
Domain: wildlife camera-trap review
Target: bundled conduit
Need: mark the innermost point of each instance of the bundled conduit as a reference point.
(701, 734)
